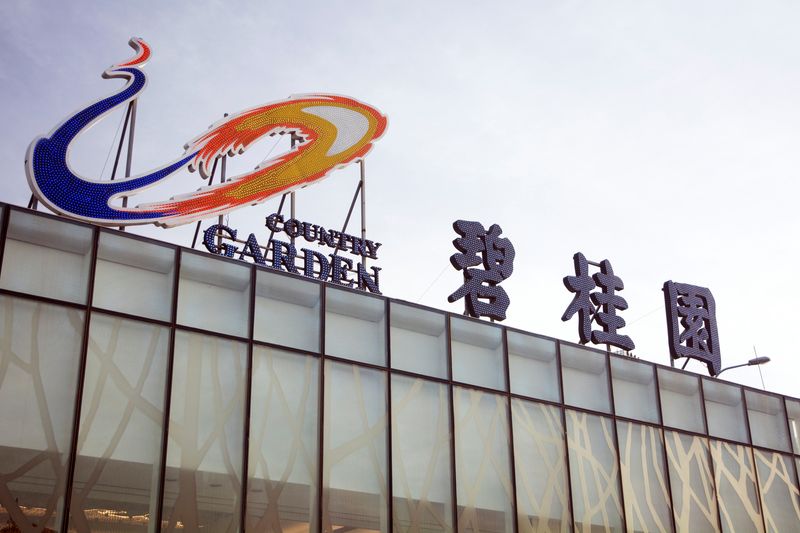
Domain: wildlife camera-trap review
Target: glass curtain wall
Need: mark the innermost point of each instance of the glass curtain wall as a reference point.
(122, 413)
(283, 461)
(39, 361)
(144, 388)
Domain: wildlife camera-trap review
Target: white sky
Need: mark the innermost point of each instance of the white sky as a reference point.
(661, 136)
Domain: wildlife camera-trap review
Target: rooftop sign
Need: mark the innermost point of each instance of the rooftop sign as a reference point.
(223, 240)
(334, 131)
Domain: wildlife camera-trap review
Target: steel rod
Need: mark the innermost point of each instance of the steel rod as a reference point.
(347, 219)
(222, 180)
(292, 200)
(363, 211)
(121, 142)
(272, 232)
(210, 181)
(129, 161)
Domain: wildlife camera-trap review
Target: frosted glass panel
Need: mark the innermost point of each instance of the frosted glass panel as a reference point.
(634, 389)
(39, 359)
(644, 481)
(793, 414)
(680, 400)
(593, 472)
(214, 295)
(118, 464)
(47, 257)
(421, 470)
(287, 311)
(533, 366)
(419, 341)
(693, 497)
(541, 467)
(206, 434)
(354, 479)
(585, 378)
(767, 420)
(282, 483)
(483, 465)
(735, 479)
(477, 351)
(725, 411)
(134, 277)
(778, 488)
(355, 326)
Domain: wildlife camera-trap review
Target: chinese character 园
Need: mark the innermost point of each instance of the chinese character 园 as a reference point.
(598, 306)
(479, 247)
(692, 324)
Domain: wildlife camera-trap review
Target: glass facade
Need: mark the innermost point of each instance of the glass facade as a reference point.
(147, 387)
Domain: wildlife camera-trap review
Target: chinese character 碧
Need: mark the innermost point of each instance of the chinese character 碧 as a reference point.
(483, 248)
(692, 324)
(598, 306)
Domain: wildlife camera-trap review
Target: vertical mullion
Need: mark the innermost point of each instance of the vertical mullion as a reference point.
(796, 472)
(168, 392)
(664, 458)
(388, 373)
(512, 461)
(792, 456)
(452, 422)
(709, 456)
(564, 433)
(620, 488)
(247, 399)
(753, 456)
(321, 409)
(76, 414)
(4, 232)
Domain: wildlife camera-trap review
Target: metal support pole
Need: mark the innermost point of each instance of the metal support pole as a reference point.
(292, 202)
(347, 219)
(222, 180)
(130, 151)
(121, 142)
(210, 181)
(272, 233)
(363, 211)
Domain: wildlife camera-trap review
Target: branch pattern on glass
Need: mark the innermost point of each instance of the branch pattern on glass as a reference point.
(692, 324)
(598, 306)
(482, 296)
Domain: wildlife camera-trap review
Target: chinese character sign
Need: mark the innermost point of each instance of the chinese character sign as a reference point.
(692, 324)
(597, 306)
(486, 249)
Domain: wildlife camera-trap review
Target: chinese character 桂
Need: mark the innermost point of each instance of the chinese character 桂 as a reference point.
(483, 248)
(692, 323)
(598, 306)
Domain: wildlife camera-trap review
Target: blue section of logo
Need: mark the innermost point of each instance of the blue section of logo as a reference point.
(73, 194)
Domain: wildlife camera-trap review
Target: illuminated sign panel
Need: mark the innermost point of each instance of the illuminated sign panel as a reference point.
(692, 324)
(495, 256)
(329, 132)
(334, 131)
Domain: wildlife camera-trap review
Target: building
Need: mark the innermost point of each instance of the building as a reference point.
(143, 384)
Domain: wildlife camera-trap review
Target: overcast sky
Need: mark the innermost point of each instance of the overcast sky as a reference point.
(662, 136)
